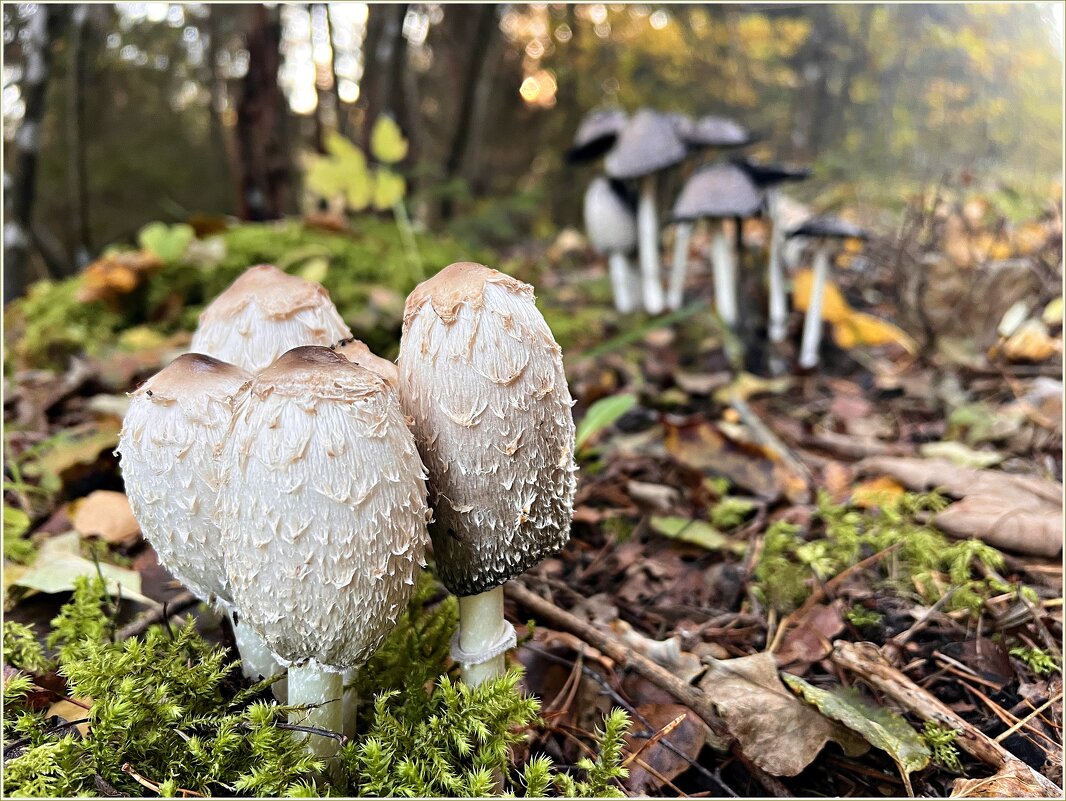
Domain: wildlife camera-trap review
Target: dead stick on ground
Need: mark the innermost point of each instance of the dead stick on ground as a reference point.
(866, 661)
(176, 605)
(616, 651)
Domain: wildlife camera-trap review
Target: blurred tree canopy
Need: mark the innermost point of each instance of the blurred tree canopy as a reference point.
(162, 110)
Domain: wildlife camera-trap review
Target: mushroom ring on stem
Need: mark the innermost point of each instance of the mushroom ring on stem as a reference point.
(264, 313)
(481, 378)
(323, 515)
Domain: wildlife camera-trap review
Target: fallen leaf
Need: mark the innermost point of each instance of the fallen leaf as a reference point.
(1012, 512)
(1052, 314)
(1014, 780)
(834, 307)
(79, 445)
(701, 383)
(810, 640)
(695, 532)
(876, 493)
(602, 414)
(106, 514)
(775, 729)
(837, 478)
(702, 446)
(865, 330)
(70, 711)
(667, 653)
(657, 497)
(59, 562)
(672, 755)
(879, 727)
(1013, 318)
(1030, 343)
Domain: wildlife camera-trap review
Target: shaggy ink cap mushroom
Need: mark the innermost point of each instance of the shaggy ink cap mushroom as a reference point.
(766, 175)
(611, 227)
(322, 510)
(357, 352)
(711, 130)
(649, 143)
(176, 421)
(481, 376)
(828, 227)
(596, 135)
(264, 313)
(718, 191)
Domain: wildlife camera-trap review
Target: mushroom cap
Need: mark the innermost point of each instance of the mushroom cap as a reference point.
(322, 509)
(714, 131)
(596, 134)
(264, 313)
(357, 352)
(610, 223)
(829, 227)
(647, 144)
(176, 421)
(481, 378)
(718, 190)
(766, 175)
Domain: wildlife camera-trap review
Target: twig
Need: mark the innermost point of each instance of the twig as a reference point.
(769, 440)
(176, 605)
(865, 660)
(1025, 721)
(665, 730)
(127, 768)
(624, 657)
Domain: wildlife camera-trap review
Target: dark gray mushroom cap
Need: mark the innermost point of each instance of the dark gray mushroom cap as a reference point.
(596, 134)
(715, 131)
(766, 175)
(649, 143)
(717, 191)
(828, 227)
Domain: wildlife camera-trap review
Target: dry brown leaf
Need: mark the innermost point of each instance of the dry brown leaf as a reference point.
(117, 274)
(69, 711)
(1030, 343)
(107, 515)
(705, 448)
(1014, 780)
(775, 729)
(1017, 513)
(687, 737)
(875, 493)
(668, 653)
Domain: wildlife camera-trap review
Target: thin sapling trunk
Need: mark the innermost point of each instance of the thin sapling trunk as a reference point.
(812, 323)
(679, 268)
(648, 244)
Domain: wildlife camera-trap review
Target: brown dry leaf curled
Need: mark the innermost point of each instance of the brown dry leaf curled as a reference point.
(107, 515)
(1013, 780)
(775, 729)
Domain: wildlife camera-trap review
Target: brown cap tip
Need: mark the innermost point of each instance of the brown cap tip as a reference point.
(316, 371)
(459, 283)
(357, 352)
(190, 373)
(277, 293)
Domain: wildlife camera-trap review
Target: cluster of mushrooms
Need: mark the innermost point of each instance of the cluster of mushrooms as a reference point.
(290, 477)
(636, 151)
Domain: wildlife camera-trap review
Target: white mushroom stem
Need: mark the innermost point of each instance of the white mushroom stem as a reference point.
(812, 323)
(626, 292)
(778, 313)
(648, 245)
(682, 237)
(725, 293)
(257, 662)
(322, 690)
(350, 703)
(481, 627)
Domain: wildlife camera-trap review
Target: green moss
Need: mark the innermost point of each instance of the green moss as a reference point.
(175, 710)
(941, 743)
(1037, 660)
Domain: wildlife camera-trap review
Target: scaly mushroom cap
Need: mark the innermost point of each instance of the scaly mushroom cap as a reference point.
(829, 227)
(322, 510)
(717, 191)
(768, 175)
(357, 352)
(648, 143)
(481, 377)
(264, 313)
(176, 421)
(714, 131)
(610, 223)
(596, 135)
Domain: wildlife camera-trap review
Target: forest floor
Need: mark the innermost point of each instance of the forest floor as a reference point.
(844, 581)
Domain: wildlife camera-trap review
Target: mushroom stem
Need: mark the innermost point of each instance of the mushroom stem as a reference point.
(350, 703)
(812, 323)
(322, 690)
(625, 296)
(778, 322)
(257, 662)
(725, 299)
(648, 245)
(682, 237)
(481, 626)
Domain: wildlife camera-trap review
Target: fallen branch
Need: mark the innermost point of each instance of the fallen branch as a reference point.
(866, 661)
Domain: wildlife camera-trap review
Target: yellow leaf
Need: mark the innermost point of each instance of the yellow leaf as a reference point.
(834, 307)
(1053, 312)
(106, 514)
(387, 142)
(875, 493)
(389, 188)
(1031, 343)
(860, 329)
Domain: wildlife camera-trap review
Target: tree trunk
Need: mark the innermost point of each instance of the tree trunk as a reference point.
(384, 57)
(479, 49)
(76, 173)
(338, 107)
(264, 174)
(222, 154)
(18, 227)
